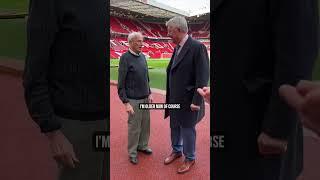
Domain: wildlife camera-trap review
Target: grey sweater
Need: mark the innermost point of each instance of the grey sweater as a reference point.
(66, 67)
(133, 78)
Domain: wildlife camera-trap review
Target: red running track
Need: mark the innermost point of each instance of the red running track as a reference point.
(24, 152)
(152, 167)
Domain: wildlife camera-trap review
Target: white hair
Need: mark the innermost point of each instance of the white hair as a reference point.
(134, 35)
(179, 22)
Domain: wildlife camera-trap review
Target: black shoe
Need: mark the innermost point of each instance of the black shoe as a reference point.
(134, 160)
(146, 151)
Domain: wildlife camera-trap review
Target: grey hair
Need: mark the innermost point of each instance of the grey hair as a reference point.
(179, 22)
(134, 35)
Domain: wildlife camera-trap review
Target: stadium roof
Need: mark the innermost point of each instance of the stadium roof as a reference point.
(200, 18)
(149, 8)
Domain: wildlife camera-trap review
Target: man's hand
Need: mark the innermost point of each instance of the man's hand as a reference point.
(150, 98)
(129, 108)
(271, 146)
(194, 107)
(305, 99)
(62, 149)
(205, 93)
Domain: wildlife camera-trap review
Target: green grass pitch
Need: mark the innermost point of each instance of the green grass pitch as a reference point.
(157, 71)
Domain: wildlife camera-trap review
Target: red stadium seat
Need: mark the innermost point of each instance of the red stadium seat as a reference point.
(156, 44)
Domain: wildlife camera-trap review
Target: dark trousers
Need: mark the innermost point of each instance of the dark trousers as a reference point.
(92, 164)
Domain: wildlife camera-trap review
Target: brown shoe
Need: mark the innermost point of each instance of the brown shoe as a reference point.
(172, 157)
(185, 167)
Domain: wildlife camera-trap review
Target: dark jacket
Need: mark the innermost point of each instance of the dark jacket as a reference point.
(259, 45)
(191, 71)
(66, 65)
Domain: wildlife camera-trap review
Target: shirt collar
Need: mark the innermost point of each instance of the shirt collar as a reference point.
(183, 41)
(132, 52)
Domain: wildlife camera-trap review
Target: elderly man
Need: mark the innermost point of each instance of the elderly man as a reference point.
(188, 70)
(133, 89)
(65, 82)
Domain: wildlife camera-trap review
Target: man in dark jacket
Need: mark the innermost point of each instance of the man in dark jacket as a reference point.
(258, 46)
(188, 70)
(65, 81)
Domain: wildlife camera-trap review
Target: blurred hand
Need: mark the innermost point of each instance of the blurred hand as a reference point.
(305, 99)
(271, 146)
(150, 98)
(129, 108)
(194, 107)
(62, 150)
(205, 93)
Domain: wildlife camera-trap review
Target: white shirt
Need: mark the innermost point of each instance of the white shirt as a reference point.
(182, 42)
(134, 52)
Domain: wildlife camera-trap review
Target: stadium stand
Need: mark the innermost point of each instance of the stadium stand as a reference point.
(149, 18)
